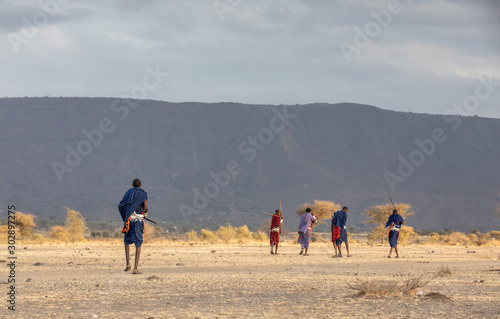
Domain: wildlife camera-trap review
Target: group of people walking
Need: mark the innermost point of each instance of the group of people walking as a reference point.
(338, 230)
(133, 209)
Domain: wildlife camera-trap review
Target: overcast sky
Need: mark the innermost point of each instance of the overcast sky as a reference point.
(418, 56)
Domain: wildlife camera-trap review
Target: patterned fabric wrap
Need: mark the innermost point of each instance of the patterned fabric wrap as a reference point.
(393, 238)
(395, 219)
(335, 234)
(274, 236)
(133, 201)
(134, 235)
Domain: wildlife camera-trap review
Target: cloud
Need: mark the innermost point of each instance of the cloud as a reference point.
(261, 52)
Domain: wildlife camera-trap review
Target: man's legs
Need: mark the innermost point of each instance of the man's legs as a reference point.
(272, 249)
(397, 252)
(137, 255)
(335, 247)
(347, 248)
(390, 253)
(127, 257)
(340, 250)
(276, 249)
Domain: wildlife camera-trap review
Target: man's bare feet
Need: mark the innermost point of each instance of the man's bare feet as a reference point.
(397, 256)
(136, 272)
(389, 256)
(348, 255)
(128, 268)
(301, 251)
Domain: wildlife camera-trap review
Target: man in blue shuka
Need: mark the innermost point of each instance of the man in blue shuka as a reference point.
(339, 220)
(395, 221)
(133, 208)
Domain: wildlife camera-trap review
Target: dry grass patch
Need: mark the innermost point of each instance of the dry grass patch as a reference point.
(443, 271)
(378, 287)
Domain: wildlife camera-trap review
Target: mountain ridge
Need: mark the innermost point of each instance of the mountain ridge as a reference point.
(339, 152)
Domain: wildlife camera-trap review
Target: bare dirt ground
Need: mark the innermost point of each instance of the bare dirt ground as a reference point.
(246, 281)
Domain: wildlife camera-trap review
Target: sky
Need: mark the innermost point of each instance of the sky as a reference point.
(437, 57)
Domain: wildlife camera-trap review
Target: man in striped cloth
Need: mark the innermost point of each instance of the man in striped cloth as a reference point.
(395, 221)
(133, 208)
(275, 233)
(305, 230)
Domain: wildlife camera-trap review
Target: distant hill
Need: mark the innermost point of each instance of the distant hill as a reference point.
(85, 152)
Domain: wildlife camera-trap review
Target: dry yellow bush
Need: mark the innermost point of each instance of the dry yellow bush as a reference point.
(226, 233)
(192, 235)
(321, 209)
(260, 236)
(208, 235)
(59, 233)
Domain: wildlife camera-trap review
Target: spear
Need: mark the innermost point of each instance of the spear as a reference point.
(282, 221)
(392, 202)
(151, 221)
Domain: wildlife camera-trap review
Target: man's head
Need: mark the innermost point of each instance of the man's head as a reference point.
(136, 183)
(345, 209)
(395, 211)
(277, 212)
(308, 210)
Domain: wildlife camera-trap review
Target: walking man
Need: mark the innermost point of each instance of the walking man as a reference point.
(305, 231)
(274, 236)
(133, 208)
(339, 220)
(395, 221)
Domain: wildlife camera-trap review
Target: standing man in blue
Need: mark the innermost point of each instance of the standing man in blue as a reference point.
(395, 221)
(339, 220)
(305, 230)
(133, 208)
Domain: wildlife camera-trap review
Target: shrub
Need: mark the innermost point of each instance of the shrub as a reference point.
(226, 233)
(321, 209)
(59, 233)
(75, 226)
(192, 235)
(207, 235)
(260, 236)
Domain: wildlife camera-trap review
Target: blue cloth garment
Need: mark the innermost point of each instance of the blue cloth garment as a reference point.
(133, 201)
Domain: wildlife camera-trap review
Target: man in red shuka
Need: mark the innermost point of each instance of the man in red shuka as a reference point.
(275, 232)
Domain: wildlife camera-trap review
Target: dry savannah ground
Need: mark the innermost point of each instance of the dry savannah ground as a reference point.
(246, 281)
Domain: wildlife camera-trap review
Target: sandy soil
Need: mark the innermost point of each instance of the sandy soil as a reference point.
(244, 281)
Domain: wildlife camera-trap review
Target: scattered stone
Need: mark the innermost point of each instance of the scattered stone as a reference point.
(180, 264)
(481, 280)
(2, 261)
(25, 247)
(153, 278)
(420, 293)
(28, 280)
(38, 264)
(88, 248)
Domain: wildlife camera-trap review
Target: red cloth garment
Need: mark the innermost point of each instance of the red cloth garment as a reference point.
(275, 235)
(335, 233)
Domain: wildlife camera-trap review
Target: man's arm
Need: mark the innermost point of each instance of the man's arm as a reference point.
(145, 206)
